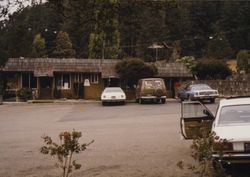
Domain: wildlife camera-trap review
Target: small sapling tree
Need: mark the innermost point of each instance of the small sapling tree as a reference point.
(69, 144)
(201, 151)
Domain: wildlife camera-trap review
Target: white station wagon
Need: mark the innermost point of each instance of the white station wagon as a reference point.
(231, 122)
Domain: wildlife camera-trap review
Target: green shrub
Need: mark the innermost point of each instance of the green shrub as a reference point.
(24, 93)
(189, 61)
(201, 152)
(212, 69)
(69, 145)
(242, 61)
(132, 69)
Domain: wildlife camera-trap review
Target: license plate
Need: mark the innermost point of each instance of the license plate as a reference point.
(247, 147)
(113, 97)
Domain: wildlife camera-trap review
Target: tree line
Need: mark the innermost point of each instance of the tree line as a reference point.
(126, 28)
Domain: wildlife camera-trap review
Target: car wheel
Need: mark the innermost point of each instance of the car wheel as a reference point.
(140, 101)
(212, 100)
(104, 103)
(181, 99)
(163, 100)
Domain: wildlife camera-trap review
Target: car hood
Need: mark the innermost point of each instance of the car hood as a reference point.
(234, 132)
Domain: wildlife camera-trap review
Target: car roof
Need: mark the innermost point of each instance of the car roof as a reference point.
(152, 79)
(235, 101)
(198, 85)
(113, 88)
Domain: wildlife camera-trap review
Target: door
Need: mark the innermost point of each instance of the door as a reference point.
(46, 87)
(196, 120)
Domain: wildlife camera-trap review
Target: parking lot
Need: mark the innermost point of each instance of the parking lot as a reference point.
(131, 140)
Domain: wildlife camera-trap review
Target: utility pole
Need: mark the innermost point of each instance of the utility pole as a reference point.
(103, 49)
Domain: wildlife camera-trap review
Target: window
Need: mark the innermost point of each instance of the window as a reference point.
(62, 81)
(94, 78)
(79, 77)
(28, 80)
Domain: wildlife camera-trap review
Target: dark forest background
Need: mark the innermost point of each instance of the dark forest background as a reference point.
(127, 28)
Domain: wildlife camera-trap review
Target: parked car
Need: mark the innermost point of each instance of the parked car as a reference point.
(231, 122)
(151, 89)
(198, 92)
(113, 95)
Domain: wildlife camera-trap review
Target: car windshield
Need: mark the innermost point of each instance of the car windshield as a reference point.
(237, 114)
(107, 90)
(200, 87)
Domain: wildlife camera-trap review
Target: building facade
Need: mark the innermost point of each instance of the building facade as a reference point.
(50, 78)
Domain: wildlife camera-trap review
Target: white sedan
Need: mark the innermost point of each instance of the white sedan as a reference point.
(113, 94)
(231, 123)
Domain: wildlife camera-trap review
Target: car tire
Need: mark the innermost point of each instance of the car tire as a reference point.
(104, 103)
(181, 99)
(212, 100)
(163, 101)
(140, 101)
(158, 92)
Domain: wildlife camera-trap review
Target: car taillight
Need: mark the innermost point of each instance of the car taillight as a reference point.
(223, 146)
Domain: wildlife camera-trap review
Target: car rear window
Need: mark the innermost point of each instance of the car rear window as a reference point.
(237, 114)
(149, 84)
(113, 90)
(201, 87)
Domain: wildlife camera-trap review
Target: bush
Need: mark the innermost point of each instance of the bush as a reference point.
(64, 151)
(189, 61)
(201, 152)
(242, 60)
(24, 93)
(133, 69)
(212, 69)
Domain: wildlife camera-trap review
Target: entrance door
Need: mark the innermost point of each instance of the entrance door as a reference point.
(46, 87)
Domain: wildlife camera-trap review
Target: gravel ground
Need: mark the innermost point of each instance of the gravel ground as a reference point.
(132, 140)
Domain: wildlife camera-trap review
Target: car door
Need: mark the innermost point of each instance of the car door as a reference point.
(196, 120)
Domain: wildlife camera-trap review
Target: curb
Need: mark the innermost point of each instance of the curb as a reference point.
(65, 101)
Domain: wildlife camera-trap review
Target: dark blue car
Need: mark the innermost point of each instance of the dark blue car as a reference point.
(198, 92)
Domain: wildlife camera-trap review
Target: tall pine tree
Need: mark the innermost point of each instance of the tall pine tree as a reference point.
(104, 41)
(64, 48)
(38, 47)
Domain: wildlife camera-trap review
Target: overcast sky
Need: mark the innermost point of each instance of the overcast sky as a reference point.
(14, 5)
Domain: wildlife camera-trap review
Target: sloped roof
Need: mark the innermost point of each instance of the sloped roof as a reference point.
(47, 67)
(172, 70)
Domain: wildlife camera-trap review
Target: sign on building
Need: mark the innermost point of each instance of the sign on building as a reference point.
(86, 83)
